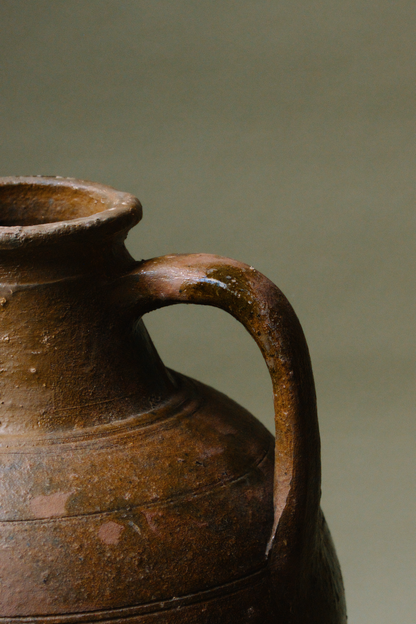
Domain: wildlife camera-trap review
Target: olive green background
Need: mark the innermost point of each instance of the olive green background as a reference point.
(282, 134)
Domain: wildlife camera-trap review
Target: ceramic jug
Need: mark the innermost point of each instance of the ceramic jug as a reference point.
(128, 492)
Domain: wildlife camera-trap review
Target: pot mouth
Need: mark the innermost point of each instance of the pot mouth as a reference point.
(36, 209)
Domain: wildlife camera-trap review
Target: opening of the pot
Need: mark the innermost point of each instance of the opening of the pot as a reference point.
(33, 204)
(41, 210)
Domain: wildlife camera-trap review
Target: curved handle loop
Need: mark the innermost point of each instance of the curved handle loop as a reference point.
(268, 316)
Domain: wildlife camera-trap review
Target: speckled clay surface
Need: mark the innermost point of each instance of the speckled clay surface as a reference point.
(128, 492)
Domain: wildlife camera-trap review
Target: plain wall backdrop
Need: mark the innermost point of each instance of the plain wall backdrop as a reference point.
(282, 134)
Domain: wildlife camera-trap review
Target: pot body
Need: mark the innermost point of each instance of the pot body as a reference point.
(130, 493)
(170, 510)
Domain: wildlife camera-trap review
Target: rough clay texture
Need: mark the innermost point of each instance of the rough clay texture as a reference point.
(128, 492)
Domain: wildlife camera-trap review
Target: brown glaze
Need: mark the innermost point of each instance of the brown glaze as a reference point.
(130, 493)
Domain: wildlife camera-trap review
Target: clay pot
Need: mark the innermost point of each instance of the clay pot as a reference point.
(130, 493)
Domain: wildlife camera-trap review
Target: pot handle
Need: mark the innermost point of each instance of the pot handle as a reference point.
(270, 319)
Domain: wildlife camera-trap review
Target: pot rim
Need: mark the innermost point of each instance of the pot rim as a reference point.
(121, 211)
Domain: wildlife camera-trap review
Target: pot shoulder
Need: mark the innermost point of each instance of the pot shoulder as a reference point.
(174, 502)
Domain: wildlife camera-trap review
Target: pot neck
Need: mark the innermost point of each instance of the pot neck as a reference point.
(66, 259)
(70, 358)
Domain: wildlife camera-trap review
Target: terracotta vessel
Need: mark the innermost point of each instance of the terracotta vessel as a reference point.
(130, 493)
